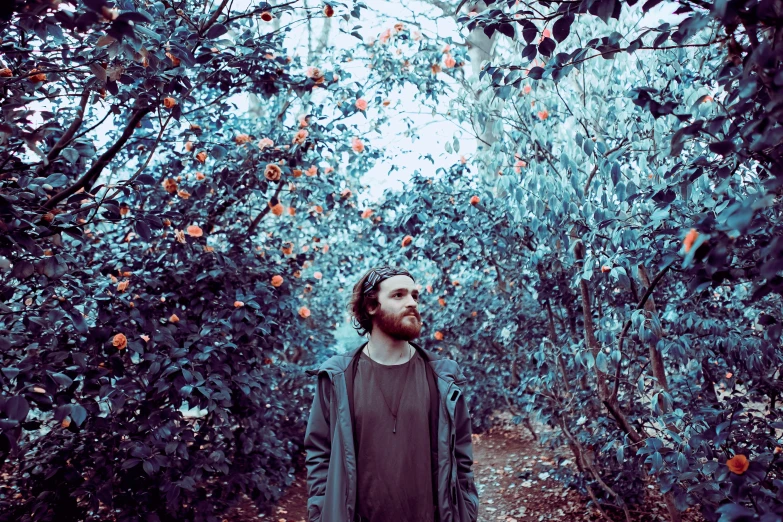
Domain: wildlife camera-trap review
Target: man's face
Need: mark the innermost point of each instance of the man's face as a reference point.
(398, 314)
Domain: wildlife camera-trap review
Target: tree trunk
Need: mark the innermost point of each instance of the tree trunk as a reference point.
(656, 360)
(590, 341)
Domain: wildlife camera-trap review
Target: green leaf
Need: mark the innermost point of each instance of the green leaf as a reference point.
(562, 27)
(143, 230)
(62, 379)
(601, 362)
(216, 31)
(735, 513)
(78, 414)
(16, 408)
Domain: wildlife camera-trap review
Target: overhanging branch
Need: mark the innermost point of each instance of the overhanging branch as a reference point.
(91, 175)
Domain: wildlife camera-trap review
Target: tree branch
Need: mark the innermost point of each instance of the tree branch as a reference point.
(260, 216)
(656, 360)
(590, 341)
(66, 137)
(213, 18)
(627, 325)
(91, 175)
(595, 169)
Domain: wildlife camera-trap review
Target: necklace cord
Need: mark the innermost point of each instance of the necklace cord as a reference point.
(399, 399)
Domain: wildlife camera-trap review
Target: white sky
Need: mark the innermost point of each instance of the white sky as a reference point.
(434, 130)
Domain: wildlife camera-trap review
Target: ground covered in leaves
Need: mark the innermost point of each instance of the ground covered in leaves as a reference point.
(514, 482)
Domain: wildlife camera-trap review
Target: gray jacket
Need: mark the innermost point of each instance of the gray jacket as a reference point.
(330, 456)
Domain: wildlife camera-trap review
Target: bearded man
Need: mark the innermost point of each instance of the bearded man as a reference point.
(389, 433)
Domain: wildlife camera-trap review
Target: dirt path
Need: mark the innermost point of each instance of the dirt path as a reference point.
(500, 456)
(512, 474)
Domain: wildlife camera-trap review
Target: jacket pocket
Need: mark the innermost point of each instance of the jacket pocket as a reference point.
(314, 507)
(468, 496)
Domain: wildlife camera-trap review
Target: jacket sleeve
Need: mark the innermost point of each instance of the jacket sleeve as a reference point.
(463, 451)
(318, 448)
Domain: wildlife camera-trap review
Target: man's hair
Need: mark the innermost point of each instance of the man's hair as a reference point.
(364, 296)
(361, 320)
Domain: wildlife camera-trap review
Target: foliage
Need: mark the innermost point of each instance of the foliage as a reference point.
(639, 219)
(162, 254)
(608, 264)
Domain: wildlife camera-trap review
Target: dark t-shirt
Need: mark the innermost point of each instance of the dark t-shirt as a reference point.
(394, 468)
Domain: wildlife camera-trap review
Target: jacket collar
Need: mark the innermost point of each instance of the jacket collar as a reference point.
(446, 369)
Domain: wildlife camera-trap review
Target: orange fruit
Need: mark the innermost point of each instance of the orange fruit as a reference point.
(738, 464)
(690, 239)
(119, 341)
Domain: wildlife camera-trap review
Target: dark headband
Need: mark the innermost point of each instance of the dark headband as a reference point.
(379, 274)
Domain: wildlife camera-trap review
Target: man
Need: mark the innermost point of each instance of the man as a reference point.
(389, 432)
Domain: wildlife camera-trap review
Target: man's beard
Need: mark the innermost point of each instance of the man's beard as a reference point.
(401, 327)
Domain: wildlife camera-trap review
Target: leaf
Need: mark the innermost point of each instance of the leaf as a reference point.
(657, 462)
(146, 179)
(562, 27)
(143, 230)
(506, 29)
(98, 71)
(605, 9)
(535, 73)
(216, 31)
(10, 372)
(148, 468)
(52, 268)
(723, 147)
(134, 16)
(78, 414)
(219, 151)
(22, 269)
(62, 379)
(127, 464)
(529, 52)
(57, 179)
(529, 31)
(78, 321)
(546, 47)
(120, 28)
(601, 362)
(740, 219)
(619, 274)
(70, 154)
(8, 424)
(16, 408)
(734, 513)
(682, 462)
(105, 40)
(660, 39)
(95, 5)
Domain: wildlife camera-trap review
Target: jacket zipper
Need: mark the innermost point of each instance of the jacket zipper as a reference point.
(451, 493)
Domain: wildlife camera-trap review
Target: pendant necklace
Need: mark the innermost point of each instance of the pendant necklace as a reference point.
(372, 376)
